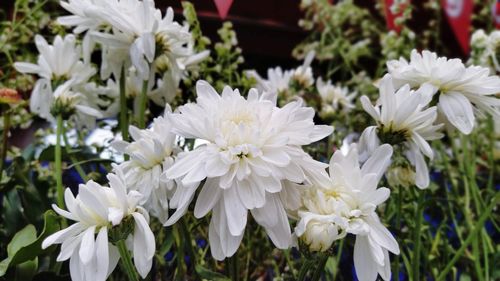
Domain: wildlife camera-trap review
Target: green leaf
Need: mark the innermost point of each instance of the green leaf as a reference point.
(29, 252)
(26, 247)
(22, 238)
(205, 273)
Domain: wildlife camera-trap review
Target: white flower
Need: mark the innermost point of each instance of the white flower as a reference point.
(462, 90)
(253, 161)
(303, 74)
(277, 83)
(139, 27)
(402, 120)
(345, 203)
(333, 97)
(97, 210)
(58, 62)
(151, 153)
(85, 14)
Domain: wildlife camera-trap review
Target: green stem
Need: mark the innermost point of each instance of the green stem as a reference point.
(123, 106)
(67, 145)
(478, 226)
(58, 163)
(234, 267)
(304, 269)
(319, 269)
(143, 100)
(398, 229)
(5, 138)
(416, 239)
(126, 261)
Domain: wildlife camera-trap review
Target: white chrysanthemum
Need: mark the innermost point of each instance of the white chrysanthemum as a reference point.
(334, 98)
(462, 90)
(402, 119)
(484, 49)
(346, 203)
(151, 153)
(253, 161)
(96, 209)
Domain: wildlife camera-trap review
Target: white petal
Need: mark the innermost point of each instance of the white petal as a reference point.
(87, 247)
(208, 197)
(102, 254)
(378, 161)
(235, 211)
(144, 245)
(366, 269)
(458, 110)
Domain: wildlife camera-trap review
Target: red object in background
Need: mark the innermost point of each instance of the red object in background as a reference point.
(223, 7)
(458, 13)
(390, 17)
(496, 14)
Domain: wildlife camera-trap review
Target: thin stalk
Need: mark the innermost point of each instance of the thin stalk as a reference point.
(123, 106)
(126, 261)
(5, 138)
(319, 269)
(477, 227)
(304, 269)
(143, 100)
(234, 267)
(78, 168)
(398, 229)
(58, 163)
(416, 239)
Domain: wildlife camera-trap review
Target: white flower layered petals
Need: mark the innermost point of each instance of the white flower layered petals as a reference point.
(345, 203)
(402, 114)
(151, 153)
(85, 14)
(95, 209)
(462, 90)
(333, 97)
(250, 161)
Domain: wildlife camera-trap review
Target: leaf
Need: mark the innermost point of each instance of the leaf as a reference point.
(205, 273)
(26, 270)
(29, 252)
(25, 246)
(22, 238)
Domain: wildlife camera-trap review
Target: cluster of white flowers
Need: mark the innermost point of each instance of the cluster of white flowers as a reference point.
(280, 82)
(63, 75)
(334, 98)
(251, 160)
(100, 210)
(458, 90)
(151, 153)
(485, 49)
(345, 202)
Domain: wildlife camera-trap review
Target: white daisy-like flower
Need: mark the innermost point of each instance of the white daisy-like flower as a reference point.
(151, 152)
(59, 62)
(253, 161)
(303, 74)
(61, 73)
(100, 210)
(345, 203)
(85, 14)
(402, 119)
(462, 90)
(334, 98)
(139, 27)
(277, 82)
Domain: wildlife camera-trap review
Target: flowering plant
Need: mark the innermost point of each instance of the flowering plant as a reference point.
(156, 154)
